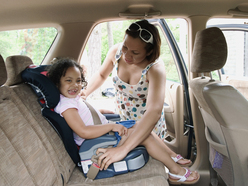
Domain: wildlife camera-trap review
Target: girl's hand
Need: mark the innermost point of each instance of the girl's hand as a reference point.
(106, 111)
(120, 129)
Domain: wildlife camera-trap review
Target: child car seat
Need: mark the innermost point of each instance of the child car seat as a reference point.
(48, 97)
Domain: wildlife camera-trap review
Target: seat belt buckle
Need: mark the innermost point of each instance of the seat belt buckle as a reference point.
(94, 158)
(93, 171)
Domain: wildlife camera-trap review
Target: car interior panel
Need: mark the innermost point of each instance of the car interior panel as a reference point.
(206, 92)
(174, 137)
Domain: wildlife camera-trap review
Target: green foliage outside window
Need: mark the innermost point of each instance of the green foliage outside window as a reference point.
(118, 31)
(33, 43)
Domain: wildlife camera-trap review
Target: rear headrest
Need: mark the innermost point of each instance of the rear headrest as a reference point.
(210, 51)
(14, 66)
(3, 72)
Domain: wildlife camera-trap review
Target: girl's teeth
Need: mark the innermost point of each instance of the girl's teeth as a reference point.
(72, 91)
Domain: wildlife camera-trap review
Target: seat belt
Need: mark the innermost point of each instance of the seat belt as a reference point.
(94, 168)
(96, 119)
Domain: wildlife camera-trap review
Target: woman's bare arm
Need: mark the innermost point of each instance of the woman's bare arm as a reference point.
(100, 76)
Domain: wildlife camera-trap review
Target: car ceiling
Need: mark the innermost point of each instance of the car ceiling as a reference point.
(20, 13)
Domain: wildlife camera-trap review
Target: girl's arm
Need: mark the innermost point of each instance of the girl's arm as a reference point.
(93, 131)
(156, 92)
(100, 76)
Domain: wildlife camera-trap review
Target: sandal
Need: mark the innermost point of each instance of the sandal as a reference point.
(182, 179)
(179, 157)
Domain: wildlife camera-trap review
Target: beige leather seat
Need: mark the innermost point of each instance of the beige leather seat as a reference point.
(224, 109)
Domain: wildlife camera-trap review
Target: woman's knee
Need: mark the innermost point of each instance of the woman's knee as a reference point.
(148, 140)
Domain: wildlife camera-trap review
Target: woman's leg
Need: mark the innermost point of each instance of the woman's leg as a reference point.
(159, 151)
(162, 144)
(169, 151)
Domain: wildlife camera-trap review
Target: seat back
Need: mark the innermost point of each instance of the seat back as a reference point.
(223, 109)
(25, 160)
(19, 107)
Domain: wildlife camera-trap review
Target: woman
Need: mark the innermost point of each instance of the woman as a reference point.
(136, 72)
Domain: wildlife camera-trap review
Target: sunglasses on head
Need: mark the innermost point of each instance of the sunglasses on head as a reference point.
(144, 34)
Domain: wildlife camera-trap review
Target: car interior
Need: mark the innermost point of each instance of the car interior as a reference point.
(205, 52)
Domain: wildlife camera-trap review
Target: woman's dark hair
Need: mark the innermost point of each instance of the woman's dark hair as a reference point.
(59, 68)
(156, 39)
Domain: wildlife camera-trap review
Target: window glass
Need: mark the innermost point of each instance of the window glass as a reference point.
(166, 56)
(237, 62)
(178, 28)
(33, 43)
(102, 38)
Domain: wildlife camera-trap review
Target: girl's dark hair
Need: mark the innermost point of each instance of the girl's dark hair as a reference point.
(59, 68)
(156, 39)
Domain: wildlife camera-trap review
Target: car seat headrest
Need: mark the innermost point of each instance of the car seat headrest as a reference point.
(3, 72)
(48, 94)
(210, 51)
(14, 66)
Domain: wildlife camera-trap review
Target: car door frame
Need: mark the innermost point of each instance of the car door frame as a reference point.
(177, 106)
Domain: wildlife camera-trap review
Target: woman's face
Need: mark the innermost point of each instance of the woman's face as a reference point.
(133, 50)
(71, 83)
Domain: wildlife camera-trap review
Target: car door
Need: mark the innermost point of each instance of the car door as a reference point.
(177, 109)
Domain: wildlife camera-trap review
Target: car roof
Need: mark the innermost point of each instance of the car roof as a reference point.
(23, 13)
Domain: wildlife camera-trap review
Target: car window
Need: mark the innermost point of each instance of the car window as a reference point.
(235, 71)
(167, 57)
(178, 28)
(103, 37)
(33, 43)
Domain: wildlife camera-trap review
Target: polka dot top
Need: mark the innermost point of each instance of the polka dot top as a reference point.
(131, 99)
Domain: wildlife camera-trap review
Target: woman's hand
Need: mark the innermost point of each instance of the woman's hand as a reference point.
(82, 94)
(110, 155)
(120, 129)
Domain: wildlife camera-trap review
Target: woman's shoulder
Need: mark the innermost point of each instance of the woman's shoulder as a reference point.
(157, 68)
(156, 65)
(115, 48)
(113, 51)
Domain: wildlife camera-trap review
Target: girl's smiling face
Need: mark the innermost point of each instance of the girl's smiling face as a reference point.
(71, 83)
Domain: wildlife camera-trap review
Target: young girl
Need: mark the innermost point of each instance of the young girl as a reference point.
(68, 77)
